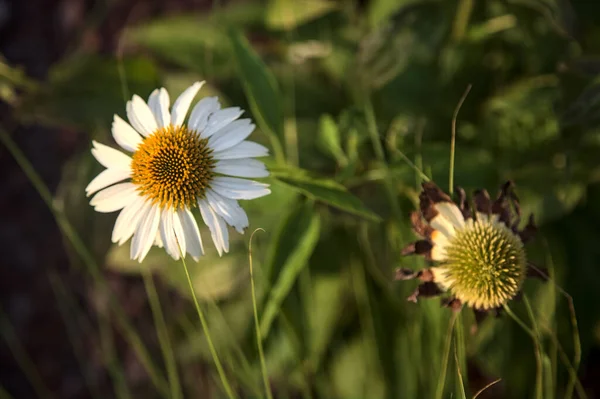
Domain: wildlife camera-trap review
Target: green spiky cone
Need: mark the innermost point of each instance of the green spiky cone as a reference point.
(486, 265)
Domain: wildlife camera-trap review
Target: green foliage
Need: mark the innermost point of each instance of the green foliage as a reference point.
(333, 321)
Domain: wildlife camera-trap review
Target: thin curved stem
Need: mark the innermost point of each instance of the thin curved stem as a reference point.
(204, 324)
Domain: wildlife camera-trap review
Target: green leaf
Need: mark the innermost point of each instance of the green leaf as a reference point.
(289, 254)
(324, 190)
(289, 14)
(329, 139)
(261, 90)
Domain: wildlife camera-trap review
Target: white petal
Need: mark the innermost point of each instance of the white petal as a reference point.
(111, 158)
(201, 112)
(244, 167)
(245, 149)
(105, 179)
(235, 188)
(231, 135)
(192, 233)
(216, 225)
(159, 105)
(182, 104)
(219, 119)
(438, 252)
(229, 210)
(128, 220)
(167, 235)
(451, 212)
(125, 135)
(140, 116)
(440, 223)
(179, 233)
(114, 197)
(158, 241)
(145, 234)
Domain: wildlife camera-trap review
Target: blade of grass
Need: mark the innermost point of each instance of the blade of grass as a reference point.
(70, 319)
(453, 139)
(116, 372)
(380, 155)
(574, 382)
(485, 388)
(22, 358)
(461, 385)
(261, 355)
(121, 391)
(86, 256)
(539, 376)
(4, 394)
(533, 335)
(162, 333)
(439, 392)
(204, 324)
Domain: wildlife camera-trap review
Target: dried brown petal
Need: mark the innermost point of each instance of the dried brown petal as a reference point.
(482, 201)
(419, 226)
(427, 290)
(529, 231)
(462, 202)
(421, 247)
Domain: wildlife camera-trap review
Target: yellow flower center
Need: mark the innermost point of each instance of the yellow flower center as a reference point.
(173, 167)
(486, 264)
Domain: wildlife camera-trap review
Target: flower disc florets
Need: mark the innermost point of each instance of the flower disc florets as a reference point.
(485, 264)
(480, 255)
(173, 167)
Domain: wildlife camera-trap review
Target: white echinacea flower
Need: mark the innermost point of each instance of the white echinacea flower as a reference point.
(175, 166)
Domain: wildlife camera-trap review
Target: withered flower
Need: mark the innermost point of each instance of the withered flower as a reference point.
(478, 251)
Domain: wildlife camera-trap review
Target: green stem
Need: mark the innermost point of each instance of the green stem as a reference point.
(211, 347)
(453, 139)
(461, 353)
(439, 392)
(261, 355)
(162, 333)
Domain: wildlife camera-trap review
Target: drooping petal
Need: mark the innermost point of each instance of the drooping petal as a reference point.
(231, 134)
(106, 178)
(167, 235)
(219, 119)
(234, 188)
(182, 104)
(140, 116)
(243, 167)
(111, 158)
(128, 220)
(115, 197)
(159, 105)
(201, 112)
(192, 233)
(125, 135)
(145, 234)
(229, 210)
(216, 225)
(179, 233)
(245, 149)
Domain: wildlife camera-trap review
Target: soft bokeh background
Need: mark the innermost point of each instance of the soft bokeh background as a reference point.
(344, 94)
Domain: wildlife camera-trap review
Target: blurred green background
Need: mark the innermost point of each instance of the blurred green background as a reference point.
(351, 97)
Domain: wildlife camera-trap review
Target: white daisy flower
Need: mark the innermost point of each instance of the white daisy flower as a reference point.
(174, 167)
